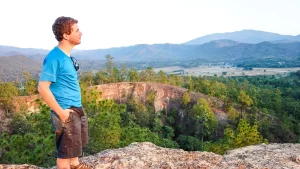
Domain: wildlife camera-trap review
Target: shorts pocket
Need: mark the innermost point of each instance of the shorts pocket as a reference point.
(70, 118)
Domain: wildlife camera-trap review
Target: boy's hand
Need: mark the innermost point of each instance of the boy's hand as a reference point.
(64, 115)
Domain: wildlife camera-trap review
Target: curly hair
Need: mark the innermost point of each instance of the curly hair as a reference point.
(63, 25)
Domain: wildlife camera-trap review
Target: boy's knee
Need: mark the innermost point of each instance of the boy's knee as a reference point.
(63, 163)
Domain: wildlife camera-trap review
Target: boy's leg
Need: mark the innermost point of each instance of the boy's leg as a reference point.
(68, 140)
(74, 161)
(75, 164)
(63, 163)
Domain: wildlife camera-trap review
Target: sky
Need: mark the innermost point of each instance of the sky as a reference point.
(119, 23)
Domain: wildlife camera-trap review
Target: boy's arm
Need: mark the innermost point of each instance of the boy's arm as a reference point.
(45, 92)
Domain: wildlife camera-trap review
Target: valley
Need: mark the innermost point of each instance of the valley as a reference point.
(225, 71)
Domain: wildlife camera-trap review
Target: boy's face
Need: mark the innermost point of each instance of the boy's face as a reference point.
(75, 36)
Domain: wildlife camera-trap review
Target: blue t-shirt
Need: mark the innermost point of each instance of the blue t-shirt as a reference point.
(58, 68)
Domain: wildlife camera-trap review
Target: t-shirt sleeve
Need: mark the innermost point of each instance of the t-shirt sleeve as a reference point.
(50, 70)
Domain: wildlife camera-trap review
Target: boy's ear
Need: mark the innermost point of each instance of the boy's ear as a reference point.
(65, 36)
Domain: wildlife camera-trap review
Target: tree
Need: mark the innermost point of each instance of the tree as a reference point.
(247, 135)
(157, 126)
(115, 76)
(139, 134)
(244, 100)
(150, 98)
(104, 120)
(206, 120)
(162, 77)
(244, 135)
(168, 132)
(298, 73)
(8, 91)
(219, 89)
(189, 143)
(147, 75)
(133, 75)
(277, 101)
(109, 65)
(30, 84)
(232, 114)
(105, 127)
(175, 80)
(123, 73)
(87, 78)
(31, 141)
(190, 84)
(203, 86)
(232, 93)
(102, 77)
(144, 117)
(185, 99)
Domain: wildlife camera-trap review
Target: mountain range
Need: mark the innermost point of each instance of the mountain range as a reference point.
(243, 48)
(231, 45)
(219, 50)
(13, 67)
(245, 36)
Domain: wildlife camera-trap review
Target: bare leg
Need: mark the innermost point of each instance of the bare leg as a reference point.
(74, 161)
(63, 163)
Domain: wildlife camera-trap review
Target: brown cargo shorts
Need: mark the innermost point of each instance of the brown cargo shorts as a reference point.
(72, 135)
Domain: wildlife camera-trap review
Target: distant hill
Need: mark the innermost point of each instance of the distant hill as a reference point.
(222, 43)
(244, 36)
(13, 67)
(38, 57)
(211, 51)
(141, 52)
(217, 51)
(283, 41)
(237, 48)
(13, 51)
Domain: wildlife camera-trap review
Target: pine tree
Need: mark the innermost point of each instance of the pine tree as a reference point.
(244, 100)
(133, 75)
(185, 99)
(162, 77)
(30, 84)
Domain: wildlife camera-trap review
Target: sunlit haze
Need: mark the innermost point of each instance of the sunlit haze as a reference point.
(118, 23)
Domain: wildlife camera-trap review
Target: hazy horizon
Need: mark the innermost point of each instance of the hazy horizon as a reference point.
(107, 24)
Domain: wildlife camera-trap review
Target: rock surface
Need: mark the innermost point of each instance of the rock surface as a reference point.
(147, 155)
(275, 156)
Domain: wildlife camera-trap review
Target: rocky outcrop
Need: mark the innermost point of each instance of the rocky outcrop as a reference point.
(27, 103)
(21, 104)
(166, 96)
(271, 156)
(25, 166)
(149, 156)
(4, 121)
